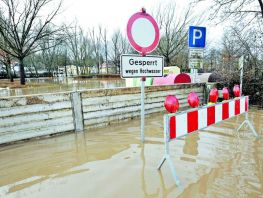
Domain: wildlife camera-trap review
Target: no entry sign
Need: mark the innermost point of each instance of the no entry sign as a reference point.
(143, 32)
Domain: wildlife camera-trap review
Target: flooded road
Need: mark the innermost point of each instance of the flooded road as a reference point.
(60, 84)
(111, 162)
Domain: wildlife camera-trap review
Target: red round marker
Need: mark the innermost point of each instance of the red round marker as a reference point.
(213, 95)
(193, 100)
(236, 91)
(225, 93)
(171, 104)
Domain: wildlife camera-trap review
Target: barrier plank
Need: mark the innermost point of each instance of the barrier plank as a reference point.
(237, 107)
(225, 111)
(210, 115)
(192, 121)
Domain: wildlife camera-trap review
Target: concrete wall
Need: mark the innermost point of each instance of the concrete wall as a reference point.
(24, 117)
(104, 107)
(31, 116)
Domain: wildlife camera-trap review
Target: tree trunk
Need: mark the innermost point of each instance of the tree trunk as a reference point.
(65, 63)
(106, 57)
(22, 71)
(66, 72)
(36, 70)
(98, 68)
(167, 61)
(9, 73)
(261, 7)
(77, 67)
(8, 68)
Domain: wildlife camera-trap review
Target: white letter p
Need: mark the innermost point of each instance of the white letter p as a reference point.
(197, 34)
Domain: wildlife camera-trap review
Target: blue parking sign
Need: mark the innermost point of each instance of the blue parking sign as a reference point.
(197, 36)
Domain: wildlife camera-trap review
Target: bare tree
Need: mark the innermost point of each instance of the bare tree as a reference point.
(213, 59)
(174, 31)
(103, 35)
(73, 42)
(34, 63)
(238, 41)
(231, 51)
(49, 50)
(80, 47)
(86, 58)
(22, 26)
(239, 9)
(115, 55)
(5, 59)
(250, 41)
(62, 58)
(96, 46)
(119, 45)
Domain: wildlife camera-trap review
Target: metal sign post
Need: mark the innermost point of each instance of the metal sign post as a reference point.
(143, 34)
(142, 107)
(194, 72)
(241, 68)
(143, 79)
(241, 80)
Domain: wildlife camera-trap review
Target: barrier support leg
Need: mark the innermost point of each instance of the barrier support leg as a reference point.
(177, 181)
(249, 125)
(176, 178)
(167, 151)
(241, 125)
(161, 163)
(166, 140)
(171, 166)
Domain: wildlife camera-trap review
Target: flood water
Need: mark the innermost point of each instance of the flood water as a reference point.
(60, 84)
(111, 162)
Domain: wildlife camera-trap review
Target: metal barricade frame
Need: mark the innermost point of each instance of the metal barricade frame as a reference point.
(167, 139)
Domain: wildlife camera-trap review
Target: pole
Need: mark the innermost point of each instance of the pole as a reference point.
(241, 80)
(142, 107)
(194, 72)
(142, 97)
(241, 68)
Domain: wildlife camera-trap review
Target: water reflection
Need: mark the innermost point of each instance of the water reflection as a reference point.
(190, 147)
(160, 190)
(143, 179)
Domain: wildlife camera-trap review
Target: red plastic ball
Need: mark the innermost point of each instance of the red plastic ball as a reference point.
(171, 103)
(225, 93)
(213, 96)
(236, 91)
(193, 100)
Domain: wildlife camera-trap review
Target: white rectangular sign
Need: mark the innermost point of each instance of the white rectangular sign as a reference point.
(195, 53)
(196, 63)
(134, 66)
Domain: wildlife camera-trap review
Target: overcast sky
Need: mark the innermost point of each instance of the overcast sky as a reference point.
(114, 14)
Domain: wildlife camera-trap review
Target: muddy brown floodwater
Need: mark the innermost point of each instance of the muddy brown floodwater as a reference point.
(111, 162)
(60, 84)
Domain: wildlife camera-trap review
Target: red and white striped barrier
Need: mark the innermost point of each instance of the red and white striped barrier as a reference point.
(183, 123)
(180, 124)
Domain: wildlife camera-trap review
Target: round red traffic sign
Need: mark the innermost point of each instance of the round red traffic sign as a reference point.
(143, 32)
